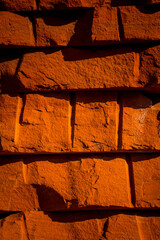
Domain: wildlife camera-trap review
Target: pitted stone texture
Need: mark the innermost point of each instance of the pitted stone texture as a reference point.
(76, 29)
(80, 225)
(95, 122)
(138, 22)
(15, 30)
(8, 112)
(18, 5)
(77, 69)
(146, 172)
(150, 67)
(63, 4)
(52, 183)
(35, 123)
(149, 227)
(105, 27)
(140, 123)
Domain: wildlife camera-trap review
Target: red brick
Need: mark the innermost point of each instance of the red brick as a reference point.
(52, 183)
(36, 123)
(96, 122)
(18, 5)
(140, 24)
(141, 125)
(77, 69)
(146, 170)
(15, 30)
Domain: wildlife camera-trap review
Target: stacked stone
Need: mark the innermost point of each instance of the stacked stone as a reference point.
(79, 119)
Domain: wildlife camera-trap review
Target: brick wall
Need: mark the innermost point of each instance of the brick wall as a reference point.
(79, 120)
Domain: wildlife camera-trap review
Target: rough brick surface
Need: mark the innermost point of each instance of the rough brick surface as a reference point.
(146, 173)
(15, 30)
(34, 123)
(63, 4)
(137, 23)
(69, 182)
(71, 69)
(96, 122)
(18, 5)
(40, 225)
(141, 124)
(149, 71)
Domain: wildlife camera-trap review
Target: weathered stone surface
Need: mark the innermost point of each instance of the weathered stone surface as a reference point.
(54, 30)
(80, 226)
(77, 69)
(137, 23)
(18, 5)
(96, 122)
(146, 172)
(62, 4)
(15, 30)
(141, 124)
(149, 227)
(34, 123)
(149, 70)
(63, 182)
(105, 25)
(71, 29)
(8, 112)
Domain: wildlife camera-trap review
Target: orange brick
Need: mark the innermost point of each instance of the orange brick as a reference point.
(149, 70)
(8, 112)
(63, 4)
(138, 22)
(40, 123)
(52, 183)
(18, 5)
(146, 178)
(141, 123)
(15, 30)
(96, 122)
(77, 69)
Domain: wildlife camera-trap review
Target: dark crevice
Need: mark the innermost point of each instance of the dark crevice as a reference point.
(131, 179)
(38, 4)
(33, 21)
(120, 24)
(23, 97)
(73, 114)
(120, 125)
(105, 227)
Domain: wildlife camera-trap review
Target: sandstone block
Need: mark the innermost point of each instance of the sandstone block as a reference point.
(71, 29)
(38, 123)
(149, 70)
(77, 69)
(57, 182)
(63, 4)
(95, 122)
(80, 225)
(137, 23)
(141, 124)
(146, 172)
(54, 30)
(18, 5)
(15, 30)
(105, 25)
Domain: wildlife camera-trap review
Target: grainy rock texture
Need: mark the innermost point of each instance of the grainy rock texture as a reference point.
(79, 119)
(40, 225)
(15, 30)
(18, 5)
(146, 178)
(56, 183)
(96, 122)
(140, 122)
